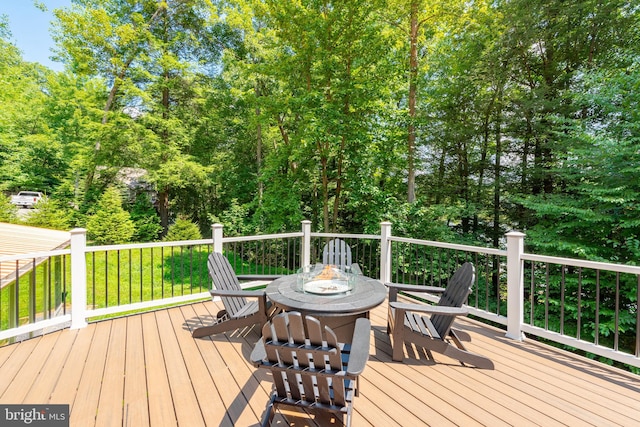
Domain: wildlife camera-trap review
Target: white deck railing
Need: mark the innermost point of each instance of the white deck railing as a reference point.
(393, 253)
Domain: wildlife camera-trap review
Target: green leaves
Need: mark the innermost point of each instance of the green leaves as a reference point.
(109, 223)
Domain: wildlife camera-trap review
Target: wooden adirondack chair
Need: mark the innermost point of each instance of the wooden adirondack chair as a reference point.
(241, 307)
(337, 252)
(407, 322)
(310, 369)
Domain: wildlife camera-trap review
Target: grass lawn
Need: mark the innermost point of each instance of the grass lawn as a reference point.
(115, 278)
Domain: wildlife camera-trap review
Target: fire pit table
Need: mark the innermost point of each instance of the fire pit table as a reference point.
(333, 302)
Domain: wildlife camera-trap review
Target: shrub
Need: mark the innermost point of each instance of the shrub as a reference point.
(183, 229)
(8, 212)
(110, 223)
(146, 220)
(49, 214)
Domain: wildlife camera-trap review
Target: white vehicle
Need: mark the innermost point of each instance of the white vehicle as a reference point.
(26, 199)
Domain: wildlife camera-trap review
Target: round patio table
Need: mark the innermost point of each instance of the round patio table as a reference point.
(338, 311)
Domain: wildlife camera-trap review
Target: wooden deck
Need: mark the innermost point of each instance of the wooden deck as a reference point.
(146, 370)
(22, 239)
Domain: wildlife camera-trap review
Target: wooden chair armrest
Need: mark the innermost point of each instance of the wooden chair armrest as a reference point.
(259, 276)
(415, 288)
(258, 354)
(360, 342)
(232, 293)
(430, 309)
(394, 288)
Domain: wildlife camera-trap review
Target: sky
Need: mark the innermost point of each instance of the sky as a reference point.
(30, 28)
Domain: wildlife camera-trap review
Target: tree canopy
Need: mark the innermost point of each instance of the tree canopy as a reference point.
(454, 120)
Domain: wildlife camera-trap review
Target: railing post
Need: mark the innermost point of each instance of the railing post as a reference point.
(217, 233)
(385, 252)
(305, 254)
(515, 285)
(78, 278)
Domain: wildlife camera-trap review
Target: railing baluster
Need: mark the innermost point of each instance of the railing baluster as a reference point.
(118, 275)
(47, 285)
(106, 279)
(532, 296)
(173, 271)
(597, 320)
(562, 295)
(153, 273)
(64, 284)
(32, 292)
(130, 278)
(579, 305)
(487, 281)
(16, 302)
(93, 278)
(546, 300)
(637, 353)
(140, 273)
(496, 263)
(162, 270)
(616, 329)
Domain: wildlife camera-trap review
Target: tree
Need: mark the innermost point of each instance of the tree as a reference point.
(326, 74)
(151, 55)
(416, 20)
(145, 219)
(8, 212)
(109, 223)
(108, 39)
(48, 213)
(183, 229)
(29, 156)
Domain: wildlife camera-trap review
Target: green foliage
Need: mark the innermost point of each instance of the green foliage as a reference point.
(109, 223)
(237, 104)
(183, 229)
(49, 213)
(8, 212)
(235, 219)
(145, 219)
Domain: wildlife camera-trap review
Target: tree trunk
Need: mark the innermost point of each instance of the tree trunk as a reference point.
(441, 173)
(163, 209)
(325, 193)
(497, 170)
(413, 90)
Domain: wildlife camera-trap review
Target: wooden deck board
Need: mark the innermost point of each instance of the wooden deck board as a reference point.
(12, 366)
(109, 411)
(225, 384)
(208, 356)
(185, 401)
(67, 385)
(161, 411)
(440, 378)
(557, 388)
(42, 387)
(136, 408)
(240, 384)
(146, 370)
(84, 407)
(31, 368)
(202, 381)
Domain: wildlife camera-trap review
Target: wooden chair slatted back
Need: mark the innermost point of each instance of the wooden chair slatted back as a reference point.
(304, 366)
(337, 252)
(455, 295)
(224, 278)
